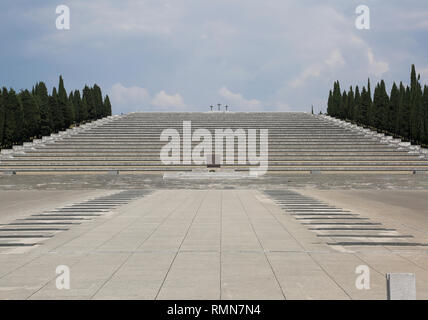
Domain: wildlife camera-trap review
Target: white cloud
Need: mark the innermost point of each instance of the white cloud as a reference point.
(235, 43)
(164, 100)
(138, 98)
(237, 100)
(282, 106)
(335, 59)
(129, 99)
(376, 67)
(309, 72)
(424, 74)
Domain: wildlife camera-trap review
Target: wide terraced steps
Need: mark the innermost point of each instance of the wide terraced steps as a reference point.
(297, 142)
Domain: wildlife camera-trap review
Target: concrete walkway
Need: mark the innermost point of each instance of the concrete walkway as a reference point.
(199, 244)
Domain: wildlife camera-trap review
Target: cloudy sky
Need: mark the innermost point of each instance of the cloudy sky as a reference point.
(277, 55)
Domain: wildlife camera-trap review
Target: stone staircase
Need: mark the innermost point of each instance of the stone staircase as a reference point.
(298, 142)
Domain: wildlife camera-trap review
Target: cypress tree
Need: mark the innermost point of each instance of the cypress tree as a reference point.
(42, 97)
(46, 117)
(405, 111)
(364, 107)
(107, 107)
(416, 129)
(425, 114)
(90, 102)
(46, 126)
(369, 101)
(13, 120)
(420, 115)
(84, 109)
(64, 104)
(380, 107)
(343, 109)
(18, 113)
(98, 101)
(351, 104)
(337, 98)
(376, 107)
(81, 113)
(330, 103)
(32, 115)
(393, 108)
(73, 107)
(413, 104)
(56, 111)
(1, 118)
(357, 105)
(9, 120)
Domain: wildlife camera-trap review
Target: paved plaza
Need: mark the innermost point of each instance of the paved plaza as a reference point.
(201, 244)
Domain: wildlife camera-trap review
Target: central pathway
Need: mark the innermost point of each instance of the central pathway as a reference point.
(196, 244)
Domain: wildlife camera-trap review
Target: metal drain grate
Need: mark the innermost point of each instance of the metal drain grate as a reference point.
(341, 227)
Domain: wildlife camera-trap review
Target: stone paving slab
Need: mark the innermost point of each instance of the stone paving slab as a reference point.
(201, 244)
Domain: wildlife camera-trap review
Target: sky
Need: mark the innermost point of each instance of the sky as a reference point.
(185, 55)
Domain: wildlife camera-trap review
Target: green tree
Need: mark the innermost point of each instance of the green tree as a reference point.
(393, 108)
(32, 115)
(425, 114)
(351, 104)
(98, 101)
(9, 120)
(380, 107)
(90, 102)
(74, 108)
(64, 104)
(81, 112)
(343, 108)
(369, 103)
(336, 100)
(56, 111)
(84, 110)
(2, 107)
(107, 107)
(403, 119)
(28, 114)
(357, 105)
(415, 106)
(14, 118)
(329, 104)
(42, 97)
(364, 107)
(18, 113)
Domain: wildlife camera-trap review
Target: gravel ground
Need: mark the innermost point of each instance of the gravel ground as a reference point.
(156, 181)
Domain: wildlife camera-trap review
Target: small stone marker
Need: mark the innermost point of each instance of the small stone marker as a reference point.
(401, 286)
(213, 160)
(418, 172)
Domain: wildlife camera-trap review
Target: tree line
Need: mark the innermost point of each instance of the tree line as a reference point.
(402, 113)
(26, 115)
